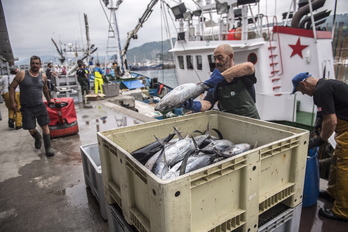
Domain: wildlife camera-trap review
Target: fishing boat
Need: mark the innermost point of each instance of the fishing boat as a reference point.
(146, 65)
(279, 48)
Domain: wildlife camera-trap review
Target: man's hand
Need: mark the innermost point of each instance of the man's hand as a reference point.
(192, 105)
(214, 79)
(15, 107)
(315, 142)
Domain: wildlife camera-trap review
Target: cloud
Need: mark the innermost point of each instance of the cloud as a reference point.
(32, 24)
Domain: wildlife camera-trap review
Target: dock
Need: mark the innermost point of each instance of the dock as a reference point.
(49, 194)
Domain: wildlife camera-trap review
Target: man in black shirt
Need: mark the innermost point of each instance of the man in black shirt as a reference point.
(331, 98)
(51, 78)
(82, 79)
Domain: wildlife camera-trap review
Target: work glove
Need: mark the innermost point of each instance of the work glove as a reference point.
(192, 105)
(215, 79)
(315, 142)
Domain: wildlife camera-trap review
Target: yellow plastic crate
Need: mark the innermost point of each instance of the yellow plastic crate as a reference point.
(220, 197)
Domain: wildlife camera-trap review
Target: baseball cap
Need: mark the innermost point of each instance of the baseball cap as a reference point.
(298, 78)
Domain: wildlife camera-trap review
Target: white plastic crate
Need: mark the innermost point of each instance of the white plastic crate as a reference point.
(93, 174)
(116, 221)
(111, 89)
(286, 221)
(221, 197)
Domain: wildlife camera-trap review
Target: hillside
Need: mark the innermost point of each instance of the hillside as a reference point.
(150, 51)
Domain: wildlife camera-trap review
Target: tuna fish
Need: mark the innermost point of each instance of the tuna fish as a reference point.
(233, 150)
(145, 153)
(173, 172)
(179, 95)
(193, 163)
(172, 154)
(199, 161)
(220, 144)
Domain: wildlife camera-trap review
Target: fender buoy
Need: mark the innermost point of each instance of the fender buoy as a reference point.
(235, 34)
(160, 88)
(164, 91)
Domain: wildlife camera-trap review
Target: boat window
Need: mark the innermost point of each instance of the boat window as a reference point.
(189, 61)
(211, 61)
(252, 57)
(199, 62)
(181, 62)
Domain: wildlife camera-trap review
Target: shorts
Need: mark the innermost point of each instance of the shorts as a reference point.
(32, 113)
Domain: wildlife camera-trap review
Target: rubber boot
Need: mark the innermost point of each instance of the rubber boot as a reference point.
(38, 142)
(47, 141)
(11, 123)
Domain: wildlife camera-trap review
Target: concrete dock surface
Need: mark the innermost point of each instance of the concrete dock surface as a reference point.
(49, 194)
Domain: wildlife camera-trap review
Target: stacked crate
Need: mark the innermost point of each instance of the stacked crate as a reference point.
(225, 196)
(93, 174)
(68, 86)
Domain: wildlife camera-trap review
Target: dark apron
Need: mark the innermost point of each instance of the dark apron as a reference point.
(236, 99)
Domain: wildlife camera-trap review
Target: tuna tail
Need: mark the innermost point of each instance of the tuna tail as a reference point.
(184, 161)
(219, 153)
(218, 133)
(207, 132)
(166, 166)
(177, 132)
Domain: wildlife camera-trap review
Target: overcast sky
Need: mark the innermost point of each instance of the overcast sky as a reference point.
(32, 23)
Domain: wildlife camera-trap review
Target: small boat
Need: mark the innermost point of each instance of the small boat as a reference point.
(146, 67)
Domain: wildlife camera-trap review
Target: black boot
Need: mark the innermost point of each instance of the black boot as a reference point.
(47, 141)
(38, 142)
(11, 123)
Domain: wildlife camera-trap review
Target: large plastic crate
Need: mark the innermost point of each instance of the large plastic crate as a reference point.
(286, 221)
(116, 221)
(221, 197)
(93, 174)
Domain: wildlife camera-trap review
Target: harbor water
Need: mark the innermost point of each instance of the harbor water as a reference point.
(165, 76)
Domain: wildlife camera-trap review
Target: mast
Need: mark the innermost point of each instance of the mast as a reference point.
(88, 53)
(113, 30)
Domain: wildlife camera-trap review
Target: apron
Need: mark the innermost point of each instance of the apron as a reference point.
(338, 179)
(236, 99)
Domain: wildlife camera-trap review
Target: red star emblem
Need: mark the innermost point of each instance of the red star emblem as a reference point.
(297, 48)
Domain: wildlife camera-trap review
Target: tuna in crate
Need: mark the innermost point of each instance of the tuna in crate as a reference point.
(224, 196)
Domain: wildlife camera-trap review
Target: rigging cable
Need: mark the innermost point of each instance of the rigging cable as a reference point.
(183, 47)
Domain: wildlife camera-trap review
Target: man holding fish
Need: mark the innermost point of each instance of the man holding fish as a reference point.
(232, 86)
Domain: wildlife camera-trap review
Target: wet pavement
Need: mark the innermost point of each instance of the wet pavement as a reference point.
(312, 222)
(49, 194)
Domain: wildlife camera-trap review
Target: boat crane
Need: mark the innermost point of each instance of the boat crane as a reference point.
(62, 57)
(133, 34)
(113, 5)
(87, 53)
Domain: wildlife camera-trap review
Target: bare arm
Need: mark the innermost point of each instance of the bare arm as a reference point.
(238, 70)
(328, 126)
(16, 80)
(55, 74)
(45, 88)
(206, 105)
